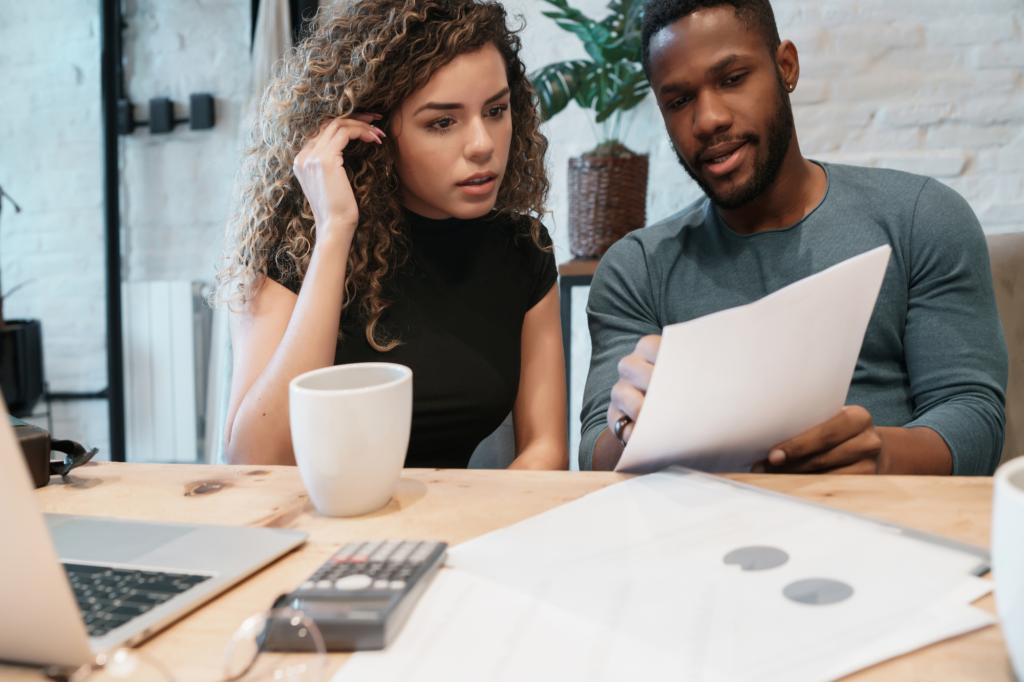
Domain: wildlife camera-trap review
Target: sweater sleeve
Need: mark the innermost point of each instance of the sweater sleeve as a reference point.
(620, 310)
(954, 344)
(542, 269)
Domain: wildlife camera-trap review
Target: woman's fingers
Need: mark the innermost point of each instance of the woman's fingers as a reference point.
(346, 134)
(328, 134)
(367, 118)
(337, 134)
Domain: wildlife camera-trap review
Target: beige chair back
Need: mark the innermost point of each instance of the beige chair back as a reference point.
(1007, 254)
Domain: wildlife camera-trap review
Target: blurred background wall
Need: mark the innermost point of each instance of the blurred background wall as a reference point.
(928, 86)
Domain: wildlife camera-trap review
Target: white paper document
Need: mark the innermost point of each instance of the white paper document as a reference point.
(681, 576)
(728, 386)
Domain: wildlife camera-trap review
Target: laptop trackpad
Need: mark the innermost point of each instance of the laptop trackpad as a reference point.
(108, 540)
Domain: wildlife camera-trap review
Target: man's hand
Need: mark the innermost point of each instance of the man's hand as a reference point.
(634, 377)
(850, 443)
(846, 444)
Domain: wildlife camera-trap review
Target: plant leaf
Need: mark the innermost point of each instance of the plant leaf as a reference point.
(614, 81)
(557, 84)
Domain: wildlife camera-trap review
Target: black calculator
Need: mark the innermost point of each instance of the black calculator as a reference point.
(361, 596)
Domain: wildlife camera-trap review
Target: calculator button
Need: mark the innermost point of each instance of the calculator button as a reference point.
(324, 584)
(349, 549)
(380, 584)
(397, 585)
(370, 547)
(385, 550)
(402, 553)
(353, 582)
(422, 552)
(308, 585)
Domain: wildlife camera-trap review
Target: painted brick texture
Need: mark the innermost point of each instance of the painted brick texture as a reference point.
(50, 161)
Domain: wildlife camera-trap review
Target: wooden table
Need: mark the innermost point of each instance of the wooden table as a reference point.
(457, 505)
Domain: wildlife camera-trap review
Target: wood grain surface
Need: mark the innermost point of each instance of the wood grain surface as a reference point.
(457, 505)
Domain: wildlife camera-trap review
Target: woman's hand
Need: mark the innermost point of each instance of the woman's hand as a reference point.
(319, 167)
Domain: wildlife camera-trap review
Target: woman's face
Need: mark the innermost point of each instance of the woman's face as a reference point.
(453, 137)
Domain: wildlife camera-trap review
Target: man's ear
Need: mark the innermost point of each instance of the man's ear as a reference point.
(787, 61)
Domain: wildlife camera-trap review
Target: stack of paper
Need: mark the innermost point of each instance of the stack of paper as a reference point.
(680, 575)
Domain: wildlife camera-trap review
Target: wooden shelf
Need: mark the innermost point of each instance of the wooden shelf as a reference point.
(578, 267)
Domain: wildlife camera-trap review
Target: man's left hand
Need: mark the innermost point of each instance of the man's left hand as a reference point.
(846, 444)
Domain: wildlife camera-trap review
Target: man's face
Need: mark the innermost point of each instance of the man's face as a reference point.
(724, 105)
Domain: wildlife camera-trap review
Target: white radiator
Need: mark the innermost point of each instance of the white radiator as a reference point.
(166, 331)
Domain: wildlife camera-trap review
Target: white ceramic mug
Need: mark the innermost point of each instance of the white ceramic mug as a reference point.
(1008, 556)
(350, 432)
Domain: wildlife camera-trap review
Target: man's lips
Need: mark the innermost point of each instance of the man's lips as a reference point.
(723, 159)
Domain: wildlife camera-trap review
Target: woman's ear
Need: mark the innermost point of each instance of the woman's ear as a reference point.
(392, 123)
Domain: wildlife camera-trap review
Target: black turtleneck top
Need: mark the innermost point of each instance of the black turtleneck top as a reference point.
(457, 307)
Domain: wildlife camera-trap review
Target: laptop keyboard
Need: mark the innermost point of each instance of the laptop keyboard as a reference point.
(110, 597)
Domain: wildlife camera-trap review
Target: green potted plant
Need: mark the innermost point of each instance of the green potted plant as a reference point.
(607, 185)
(21, 354)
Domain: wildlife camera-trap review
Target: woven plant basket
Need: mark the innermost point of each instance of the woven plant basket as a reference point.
(607, 201)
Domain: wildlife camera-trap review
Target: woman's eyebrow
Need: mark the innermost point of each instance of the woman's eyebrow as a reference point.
(501, 94)
(448, 106)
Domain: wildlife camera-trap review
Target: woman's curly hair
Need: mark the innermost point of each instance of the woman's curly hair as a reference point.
(367, 56)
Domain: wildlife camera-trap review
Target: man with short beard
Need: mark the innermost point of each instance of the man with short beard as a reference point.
(928, 392)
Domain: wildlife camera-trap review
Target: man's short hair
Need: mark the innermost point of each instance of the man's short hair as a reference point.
(754, 14)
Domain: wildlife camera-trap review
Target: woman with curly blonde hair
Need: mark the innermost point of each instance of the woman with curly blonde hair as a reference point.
(390, 211)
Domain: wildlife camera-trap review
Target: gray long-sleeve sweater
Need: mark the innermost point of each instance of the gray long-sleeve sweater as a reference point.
(934, 354)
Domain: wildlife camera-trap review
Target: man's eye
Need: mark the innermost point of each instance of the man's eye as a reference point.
(733, 80)
(675, 104)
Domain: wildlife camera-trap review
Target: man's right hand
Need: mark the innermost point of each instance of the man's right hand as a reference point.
(319, 167)
(627, 399)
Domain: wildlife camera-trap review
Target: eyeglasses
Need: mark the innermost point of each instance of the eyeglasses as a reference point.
(270, 634)
(255, 653)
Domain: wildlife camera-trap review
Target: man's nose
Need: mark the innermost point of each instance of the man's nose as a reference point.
(710, 116)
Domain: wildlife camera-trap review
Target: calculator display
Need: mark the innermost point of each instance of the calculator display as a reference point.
(315, 607)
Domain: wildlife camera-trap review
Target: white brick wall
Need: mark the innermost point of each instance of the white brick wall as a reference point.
(932, 86)
(176, 186)
(51, 162)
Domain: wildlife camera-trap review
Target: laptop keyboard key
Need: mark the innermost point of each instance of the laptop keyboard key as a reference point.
(110, 597)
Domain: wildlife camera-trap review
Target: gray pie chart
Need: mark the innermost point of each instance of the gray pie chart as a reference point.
(818, 591)
(756, 558)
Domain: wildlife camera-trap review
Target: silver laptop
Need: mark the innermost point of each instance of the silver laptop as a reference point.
(74, 586)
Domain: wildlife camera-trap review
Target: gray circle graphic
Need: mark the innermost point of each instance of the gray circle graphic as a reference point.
(818, 591)
(756, 558)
